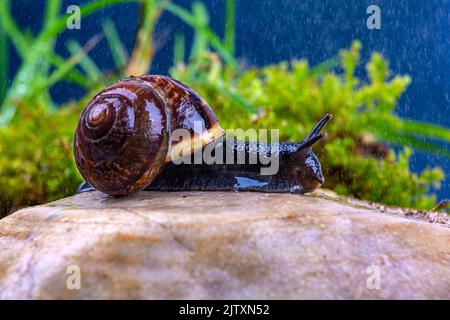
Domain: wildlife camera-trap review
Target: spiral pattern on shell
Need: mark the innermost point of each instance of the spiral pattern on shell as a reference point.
(118, 140)
(123, 135)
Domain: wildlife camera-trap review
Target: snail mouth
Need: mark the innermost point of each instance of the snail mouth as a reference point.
(321, 181)
(313, 185)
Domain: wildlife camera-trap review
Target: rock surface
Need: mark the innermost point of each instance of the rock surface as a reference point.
(221, 245)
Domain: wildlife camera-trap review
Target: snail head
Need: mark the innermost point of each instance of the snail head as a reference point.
(309, 170)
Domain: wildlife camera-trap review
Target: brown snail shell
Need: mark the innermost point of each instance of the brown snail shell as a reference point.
(124, 134)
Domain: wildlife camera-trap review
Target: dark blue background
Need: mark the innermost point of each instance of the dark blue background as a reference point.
(414, 36)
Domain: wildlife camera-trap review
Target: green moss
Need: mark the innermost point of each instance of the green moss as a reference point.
(36, 161)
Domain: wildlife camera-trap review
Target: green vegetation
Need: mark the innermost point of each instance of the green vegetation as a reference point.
(36, 162)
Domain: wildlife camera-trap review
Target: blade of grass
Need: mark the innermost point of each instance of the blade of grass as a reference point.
(3, 64)
(50, 15)
(118, 51)
(237, 99)
(226, 91)
(51, 12)
(419, 144)
(411, 127)
(74, 76)
(86, 64)
(26, 79)
(214, 40)
(230, 25)
(397, 126)
(34, 54)
(178, 49)
(69, 64)
(60, 24)
(325, 66)
(142, 55)
(12, 30)
(201, 17)
(397, 137)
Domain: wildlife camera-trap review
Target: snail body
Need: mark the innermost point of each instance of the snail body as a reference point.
(126, 134)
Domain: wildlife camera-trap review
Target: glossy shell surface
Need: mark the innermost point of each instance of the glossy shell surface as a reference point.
(124, 135)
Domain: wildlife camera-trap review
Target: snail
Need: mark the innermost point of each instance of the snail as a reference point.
(126, 136)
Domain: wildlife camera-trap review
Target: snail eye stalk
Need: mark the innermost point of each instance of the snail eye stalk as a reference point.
(316, 130)
(314, 135)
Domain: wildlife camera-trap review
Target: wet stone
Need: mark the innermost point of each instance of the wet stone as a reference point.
(222, 245)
